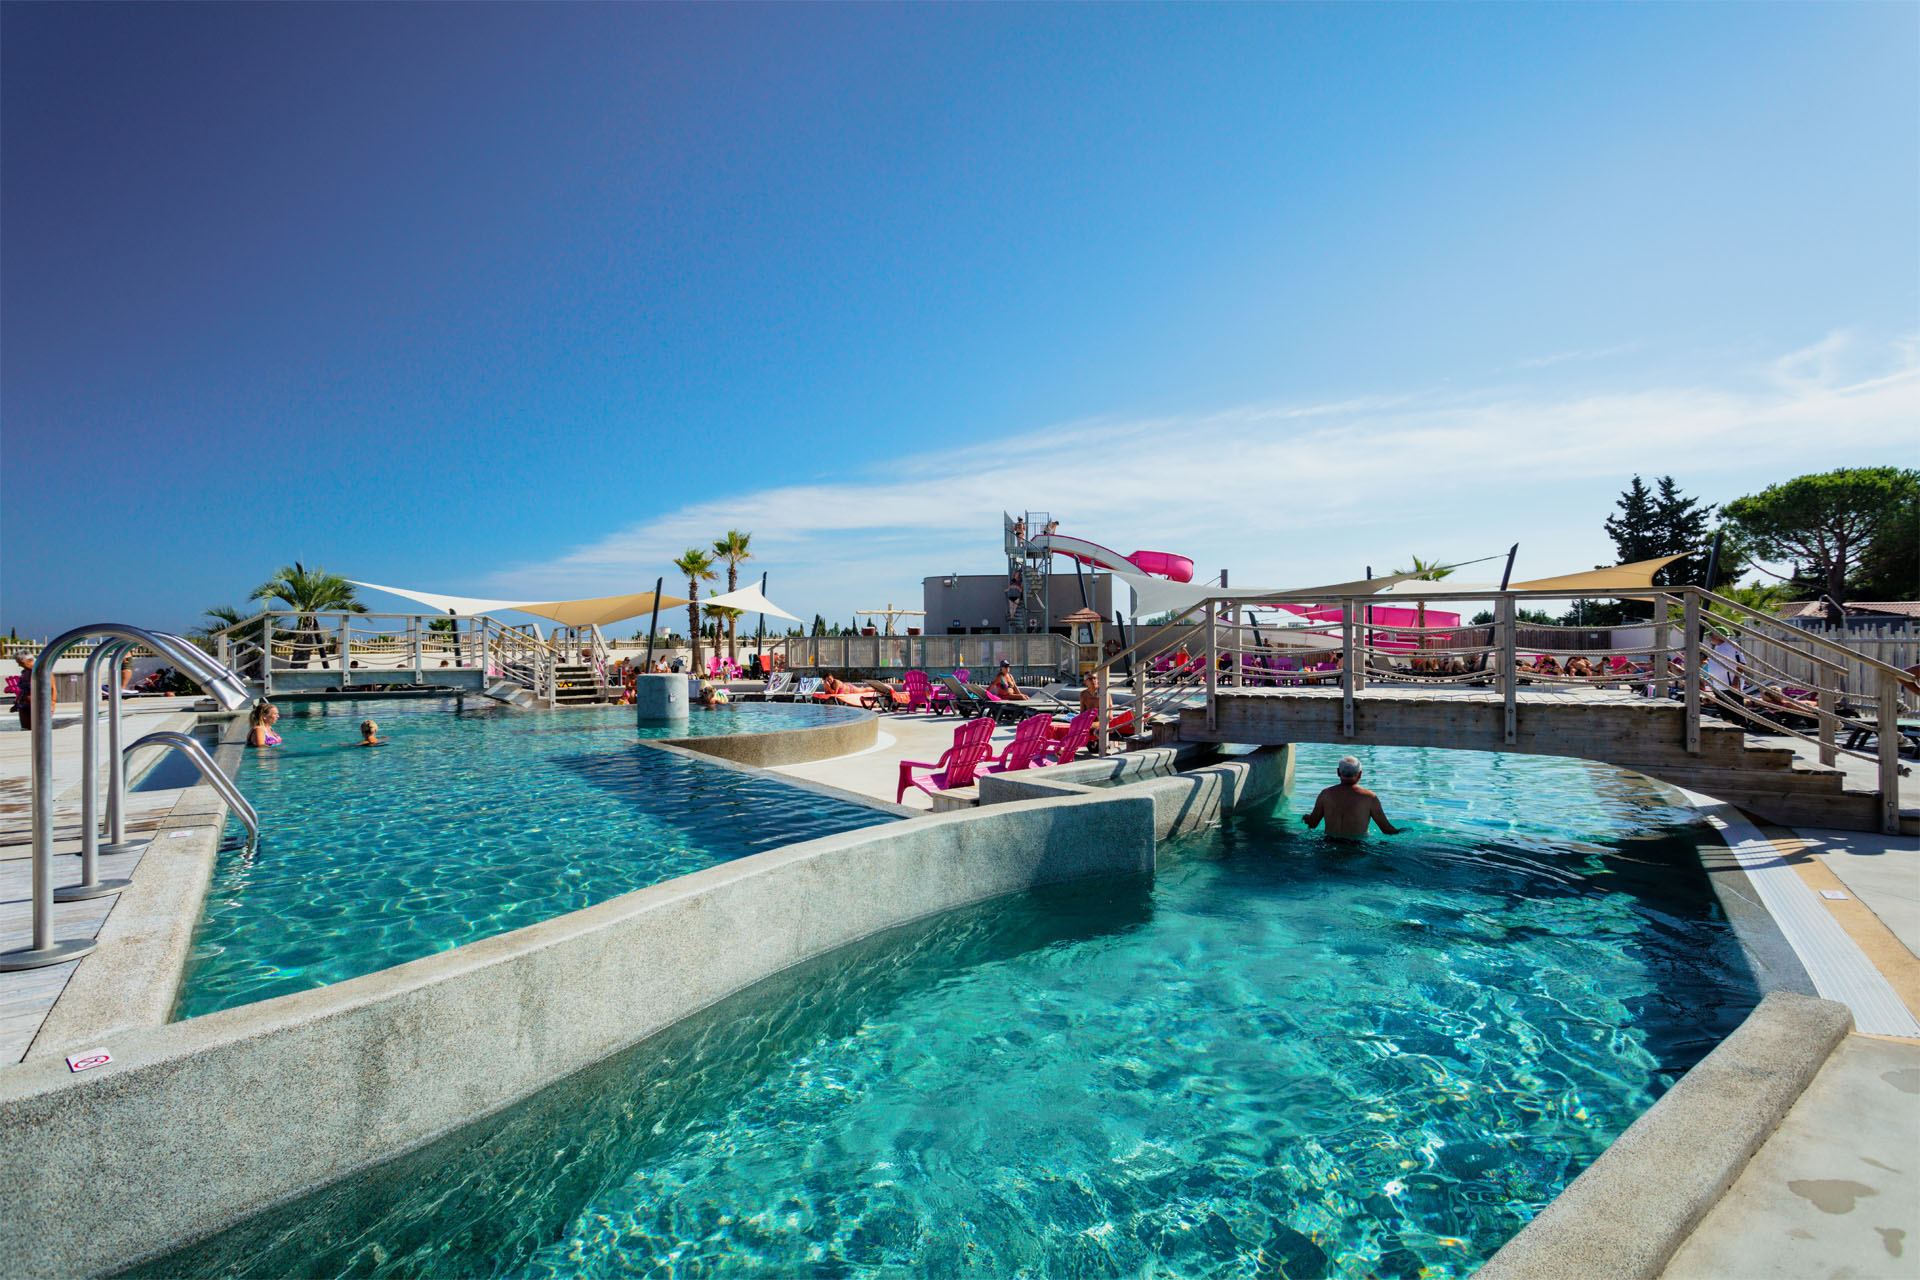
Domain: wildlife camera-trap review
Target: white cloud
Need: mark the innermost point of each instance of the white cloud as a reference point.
(1292, 493)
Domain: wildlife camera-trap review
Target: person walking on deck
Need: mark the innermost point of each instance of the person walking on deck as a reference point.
(1347, 806)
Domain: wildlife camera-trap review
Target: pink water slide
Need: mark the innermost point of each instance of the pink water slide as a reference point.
(1163, 564)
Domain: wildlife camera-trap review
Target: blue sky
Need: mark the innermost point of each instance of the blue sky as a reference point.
(524, 299)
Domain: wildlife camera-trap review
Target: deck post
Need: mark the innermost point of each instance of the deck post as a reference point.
(1213, 667)
(414, 642)
(1346, 667)
(1889, 720)
(1825, 693)
(1140, 726)
(346, 651)
(1509, 670)
(1694, 670)
(1658, 664)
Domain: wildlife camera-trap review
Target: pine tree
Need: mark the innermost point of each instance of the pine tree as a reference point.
(1682, 522)
(1634, 531)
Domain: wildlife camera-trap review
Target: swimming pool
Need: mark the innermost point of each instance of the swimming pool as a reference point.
(472, 820)
(1280, 1057)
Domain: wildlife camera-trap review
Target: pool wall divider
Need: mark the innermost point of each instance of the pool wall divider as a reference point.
(775, 747)
(197, 1125)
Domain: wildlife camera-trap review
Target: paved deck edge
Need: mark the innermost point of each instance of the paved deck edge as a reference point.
(1624, 1218)
(673, 747)
(776, 747)
(198, 1125)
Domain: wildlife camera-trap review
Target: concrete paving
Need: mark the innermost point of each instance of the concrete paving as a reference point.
(1835, 1192)
(1882, 871)
(875, 773)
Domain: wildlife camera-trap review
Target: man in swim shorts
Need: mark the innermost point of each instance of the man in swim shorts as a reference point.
(1347, 806)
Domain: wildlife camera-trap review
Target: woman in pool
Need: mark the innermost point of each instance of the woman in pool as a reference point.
(370, 734)
(260, 725)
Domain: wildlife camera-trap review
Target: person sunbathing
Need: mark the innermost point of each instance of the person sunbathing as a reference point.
(834, 686)
(1005, 687)
(1579, 666)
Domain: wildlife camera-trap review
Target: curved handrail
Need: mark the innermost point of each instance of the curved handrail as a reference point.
(222, 683)
(218, 780)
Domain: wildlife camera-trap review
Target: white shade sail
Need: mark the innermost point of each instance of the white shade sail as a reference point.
(749, 600)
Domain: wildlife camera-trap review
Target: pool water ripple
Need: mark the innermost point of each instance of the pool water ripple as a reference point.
(469, 823)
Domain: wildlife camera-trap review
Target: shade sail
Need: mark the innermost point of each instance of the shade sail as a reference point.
(1637, 576)
(444, 604)
(747, 600)
(599, 611)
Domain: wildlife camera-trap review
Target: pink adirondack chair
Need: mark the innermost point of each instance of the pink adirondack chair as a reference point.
(1029, 740)
(1069, 744)
(922, 696)
(956, 766)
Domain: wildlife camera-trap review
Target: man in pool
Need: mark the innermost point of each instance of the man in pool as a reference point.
(1347, 806)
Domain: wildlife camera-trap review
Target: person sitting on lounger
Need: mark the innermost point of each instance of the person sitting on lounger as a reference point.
(1005, 687)
(1579, 666)
(834, 686)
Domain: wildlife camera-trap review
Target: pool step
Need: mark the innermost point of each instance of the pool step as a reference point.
(577, 684)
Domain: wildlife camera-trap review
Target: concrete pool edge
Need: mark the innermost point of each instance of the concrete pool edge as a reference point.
(1634, 1206)
(773, 747)
(200, 1124)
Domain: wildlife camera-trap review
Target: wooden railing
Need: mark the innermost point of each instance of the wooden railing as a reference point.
(1766, 674)
(1040, 653)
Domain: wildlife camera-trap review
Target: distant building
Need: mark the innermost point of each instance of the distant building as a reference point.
(964, 604)
(1894, 614)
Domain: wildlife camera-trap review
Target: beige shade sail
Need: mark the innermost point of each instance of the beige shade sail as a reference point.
(1637, 576)
(596, 612)
(600, 611)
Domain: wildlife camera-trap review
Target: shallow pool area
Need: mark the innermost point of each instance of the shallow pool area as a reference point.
(1283, 1056)
(473, 819)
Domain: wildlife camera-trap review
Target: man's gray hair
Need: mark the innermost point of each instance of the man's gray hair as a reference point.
(1349, 767)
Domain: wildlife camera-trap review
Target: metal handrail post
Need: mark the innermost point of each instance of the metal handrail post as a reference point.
(1694, 648)
(1213, 668)
(346, 651)
(187, 746)
(91, 886)
(1889, 722)
(1347, 686)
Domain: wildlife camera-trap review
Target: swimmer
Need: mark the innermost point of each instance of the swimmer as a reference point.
(260, 725)
(1347, 807)
(370, 734)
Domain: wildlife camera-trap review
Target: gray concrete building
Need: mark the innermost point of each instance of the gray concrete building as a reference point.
(976, 603)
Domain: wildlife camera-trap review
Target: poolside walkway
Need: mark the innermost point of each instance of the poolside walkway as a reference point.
(875, 772)
(28, 995)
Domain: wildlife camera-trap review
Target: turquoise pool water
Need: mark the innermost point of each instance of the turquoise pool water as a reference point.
(1279, 1057)
(469, 823)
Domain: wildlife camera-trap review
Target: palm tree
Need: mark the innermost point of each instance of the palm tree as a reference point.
(698, 566)
(1425, 571)
(308, 593)
(733, 549)
(723, 621)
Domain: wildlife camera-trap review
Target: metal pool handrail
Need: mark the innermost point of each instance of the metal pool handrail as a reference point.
(216, 778)
(220, 682)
